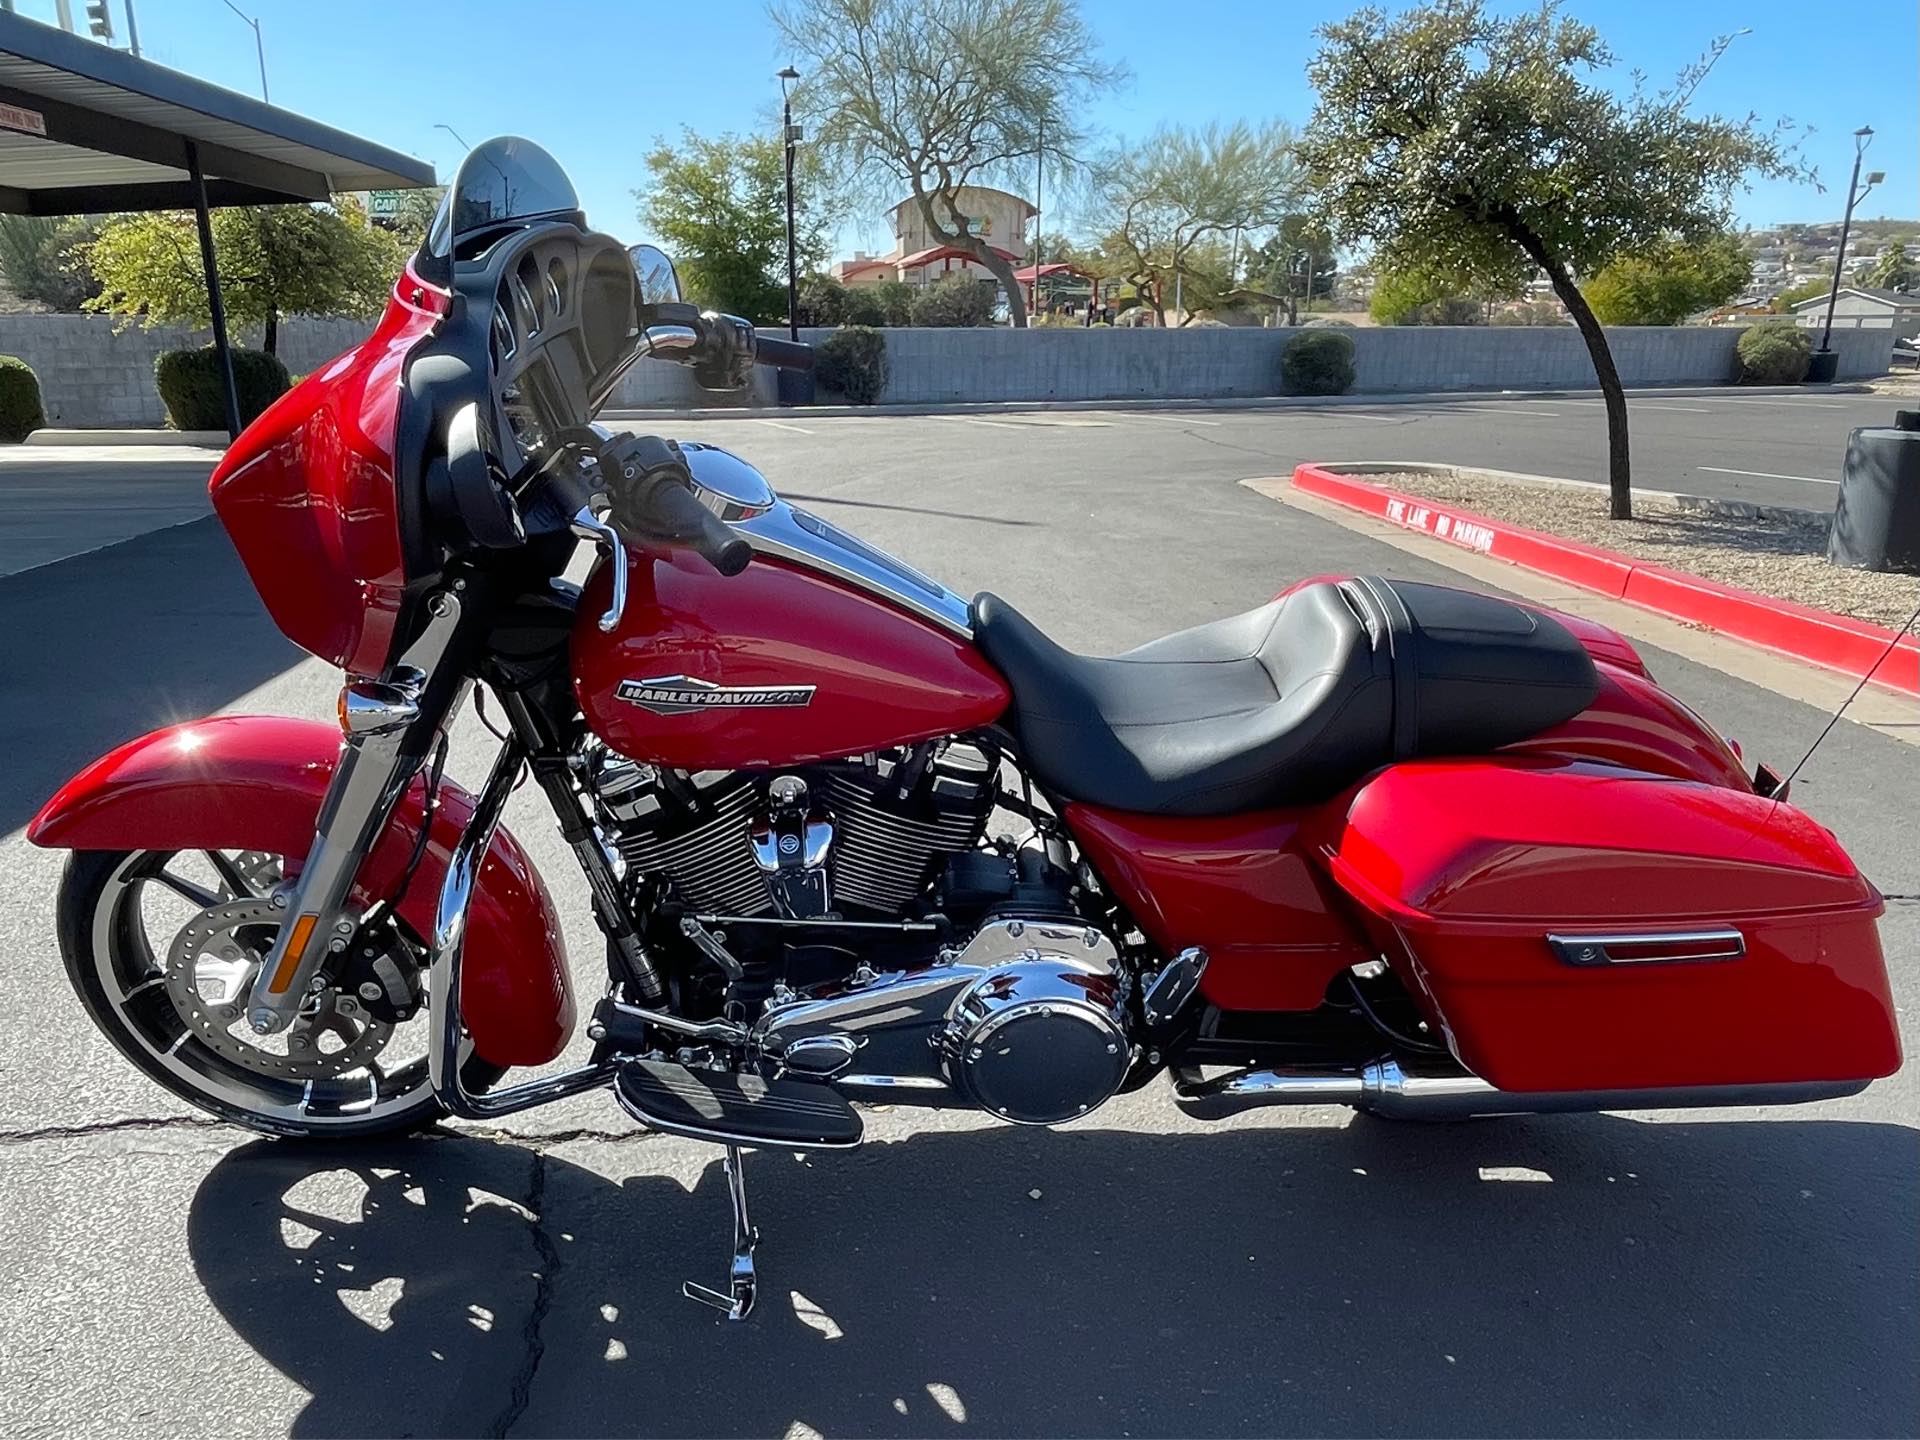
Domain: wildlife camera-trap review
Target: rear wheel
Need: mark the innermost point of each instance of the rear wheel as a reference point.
(163, 947)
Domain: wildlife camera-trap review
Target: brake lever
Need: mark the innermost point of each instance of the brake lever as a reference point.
(589, 526)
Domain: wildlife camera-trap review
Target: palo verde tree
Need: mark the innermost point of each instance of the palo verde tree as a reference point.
(274, 260)
(1458, 140)
(1173, 203)
(935, 95)
(717, 204)
(1891, 269)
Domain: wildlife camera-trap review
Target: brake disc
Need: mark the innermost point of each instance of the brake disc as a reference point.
(210, 972)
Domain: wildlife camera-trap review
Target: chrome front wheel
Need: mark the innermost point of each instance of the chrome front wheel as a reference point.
(163, 948)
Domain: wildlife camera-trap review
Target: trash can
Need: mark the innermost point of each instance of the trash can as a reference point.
(1822, 366)
(1876, 521)
(795, 387)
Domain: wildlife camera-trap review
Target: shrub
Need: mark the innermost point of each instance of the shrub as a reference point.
(896, 302)
(44, 259)
(20, 410)
(823, 301)
(1774, 352)
(853, 361)
(955, 301)
(194, 391)
(1318, 362)
(863, 308)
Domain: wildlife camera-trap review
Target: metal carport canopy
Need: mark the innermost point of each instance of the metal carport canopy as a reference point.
(85, 128)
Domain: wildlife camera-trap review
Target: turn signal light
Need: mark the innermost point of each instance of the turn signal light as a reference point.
(376, 707)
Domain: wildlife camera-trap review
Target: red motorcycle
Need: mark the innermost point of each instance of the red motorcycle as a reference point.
(851, 838)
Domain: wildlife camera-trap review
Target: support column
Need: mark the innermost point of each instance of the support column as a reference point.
(203, 219)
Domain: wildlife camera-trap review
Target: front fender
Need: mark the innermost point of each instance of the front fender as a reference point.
(255, 782)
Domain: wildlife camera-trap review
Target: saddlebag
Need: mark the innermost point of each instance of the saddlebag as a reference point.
(1575, 926)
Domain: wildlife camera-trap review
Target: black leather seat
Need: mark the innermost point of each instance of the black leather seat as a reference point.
(1286, 704)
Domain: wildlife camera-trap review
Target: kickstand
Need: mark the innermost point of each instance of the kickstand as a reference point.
(738, 1302)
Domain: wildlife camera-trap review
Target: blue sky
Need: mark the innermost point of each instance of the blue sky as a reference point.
(595, 80)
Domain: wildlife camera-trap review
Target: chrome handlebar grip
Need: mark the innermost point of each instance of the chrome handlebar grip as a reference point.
(589, 526)
(667, 339)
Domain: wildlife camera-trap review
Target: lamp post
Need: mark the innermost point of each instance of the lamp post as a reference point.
(787, 137)
(1862, 138)
(457, 138)
(259, 46)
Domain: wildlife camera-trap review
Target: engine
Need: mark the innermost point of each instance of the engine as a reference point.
(883, 943)
(865, 838)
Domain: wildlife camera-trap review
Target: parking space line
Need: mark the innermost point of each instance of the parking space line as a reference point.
(1164, 419)
(1510, 410)
(1646, 405)
(976, 420)
(1766, 475)
(1793, 400)
(783, 425)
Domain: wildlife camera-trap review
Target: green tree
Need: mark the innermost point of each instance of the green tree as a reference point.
(1892, 269)
(274, 260)
(1296, 261)
(41, 257)
(1172, 204)
(1669, 280)
(1805, 290)
(1417, 295)
(934, 95)
(1461, 141)
(718, 205)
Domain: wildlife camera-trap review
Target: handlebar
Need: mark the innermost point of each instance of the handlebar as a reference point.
(671, 512)
(786, 354)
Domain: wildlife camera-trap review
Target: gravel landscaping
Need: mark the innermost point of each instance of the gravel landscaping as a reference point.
(1780, 552)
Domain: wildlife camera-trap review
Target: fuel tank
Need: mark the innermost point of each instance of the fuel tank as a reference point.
(821, 647)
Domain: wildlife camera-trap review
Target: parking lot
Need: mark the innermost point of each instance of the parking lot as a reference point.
(1288, 1272)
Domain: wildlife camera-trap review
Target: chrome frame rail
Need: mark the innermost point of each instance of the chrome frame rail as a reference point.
(448, 1043)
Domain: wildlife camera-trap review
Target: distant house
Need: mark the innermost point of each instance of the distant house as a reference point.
(919, 257)
(1862, 307)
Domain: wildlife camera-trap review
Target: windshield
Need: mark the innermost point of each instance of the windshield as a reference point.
(505, 179)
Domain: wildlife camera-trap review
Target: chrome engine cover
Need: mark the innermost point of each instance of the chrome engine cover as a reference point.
(1027, 1022)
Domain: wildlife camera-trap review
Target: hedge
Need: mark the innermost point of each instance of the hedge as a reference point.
(853, 361)
(20, 410)
(1774, 352)
(193, 389)
(1318, 362)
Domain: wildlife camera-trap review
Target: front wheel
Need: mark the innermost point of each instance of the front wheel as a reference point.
(162, 948)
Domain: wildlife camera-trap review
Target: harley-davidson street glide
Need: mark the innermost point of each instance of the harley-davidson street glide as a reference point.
(853, 838)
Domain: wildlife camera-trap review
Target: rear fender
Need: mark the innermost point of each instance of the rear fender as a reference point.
(255, 782)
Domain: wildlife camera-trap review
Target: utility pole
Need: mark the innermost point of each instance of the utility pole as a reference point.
(1039, 174)
(1862, 138)
(787, 138)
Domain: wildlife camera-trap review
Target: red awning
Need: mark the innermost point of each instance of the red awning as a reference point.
(948, 252)
(1026, 276)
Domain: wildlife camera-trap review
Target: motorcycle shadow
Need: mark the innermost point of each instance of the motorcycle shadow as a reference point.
(1574, 1275)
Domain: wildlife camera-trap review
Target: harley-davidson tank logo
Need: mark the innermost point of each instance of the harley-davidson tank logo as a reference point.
(683, 694)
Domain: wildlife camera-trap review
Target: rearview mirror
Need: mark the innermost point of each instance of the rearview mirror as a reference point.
(658, 282)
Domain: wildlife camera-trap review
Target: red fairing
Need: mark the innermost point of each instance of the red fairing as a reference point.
(255, 782)
(307, 493)
(1633, 722)
(880, 676)
(1467, 866)
(1240, 886)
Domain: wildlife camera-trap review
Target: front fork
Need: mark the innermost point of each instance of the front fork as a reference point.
(391, 725)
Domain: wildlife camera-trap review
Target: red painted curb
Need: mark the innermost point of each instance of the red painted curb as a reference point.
(1833, 642)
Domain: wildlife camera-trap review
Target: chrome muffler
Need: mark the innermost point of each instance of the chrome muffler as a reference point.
(1384, 1087)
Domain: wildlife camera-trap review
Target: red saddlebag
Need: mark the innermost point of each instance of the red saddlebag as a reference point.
(1575, 926)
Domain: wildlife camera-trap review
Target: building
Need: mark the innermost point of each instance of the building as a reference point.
(1861, 307)
(920, 258)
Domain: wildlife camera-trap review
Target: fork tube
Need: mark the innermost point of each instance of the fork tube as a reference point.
(553, 770)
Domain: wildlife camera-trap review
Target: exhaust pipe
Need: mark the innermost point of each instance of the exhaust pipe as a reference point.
(1384, 1088)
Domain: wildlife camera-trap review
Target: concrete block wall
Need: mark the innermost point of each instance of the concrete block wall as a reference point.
(91, 376)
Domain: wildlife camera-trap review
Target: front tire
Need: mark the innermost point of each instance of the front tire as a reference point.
(121, 915)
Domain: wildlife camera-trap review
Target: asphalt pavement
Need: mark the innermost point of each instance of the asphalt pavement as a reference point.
(1287, 1272)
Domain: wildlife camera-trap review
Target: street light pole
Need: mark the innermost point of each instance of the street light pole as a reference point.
(259, 46)
(1862, 138)
(787, 77)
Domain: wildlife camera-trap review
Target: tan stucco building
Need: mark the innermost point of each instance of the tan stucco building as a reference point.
(919, 258)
